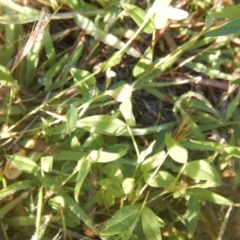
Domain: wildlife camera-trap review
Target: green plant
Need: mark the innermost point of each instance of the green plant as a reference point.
(72, 137)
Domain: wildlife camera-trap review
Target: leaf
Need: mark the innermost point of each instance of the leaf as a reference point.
(72, 206)
(120, 221)
(128, 185)
(212, 72)
(143, 64)
(176, 151)
(89, 27)
(150, 224)
(126, 110)
(227, 12)
(202, 170)
(232, 150)
(193, 212)
(10, 189)
(84, 80)
(83, 167)
(23, 163)
(68, 155)
(153, 161)
(146, 152)
(232, 107)
(109, 198)
(102, 124)
(13, 203)
(162, 179)
(228, 28)
(113, 186)
(6, 78)
(205, 194)
(138, 15)
(71, 119)
(236, 81)
(118, 151)
(46, 163)
(122, 93)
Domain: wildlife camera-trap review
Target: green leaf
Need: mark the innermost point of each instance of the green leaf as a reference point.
(68, 155)
(89, 27)
(232, 107)
(84, 80)
(227, 12)
(150, 224)
(208, 22)
(109, 198)
(71, 119)
(193, 212)
(72, 206)
(213, 73)
(113, 186)
(138, 15)
(232, 150)
(83, 167)
(120, 221)
(13, 203)
(57, 203)
(102, 124)
(6, 78)
(176, 151)
(143, 64)
(236, 81)
(11, 189)
(122, 93)
(228, 28)
(126, 110)
(202, 170)
(46, 163)
(23, 163)
(205, 194)
(162, 179)
(128, 185)
(117, 152)
(153, 161)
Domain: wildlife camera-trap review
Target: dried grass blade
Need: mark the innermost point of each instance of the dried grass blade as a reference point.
(37, 33)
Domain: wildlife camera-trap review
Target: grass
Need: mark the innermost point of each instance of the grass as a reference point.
(112, 129)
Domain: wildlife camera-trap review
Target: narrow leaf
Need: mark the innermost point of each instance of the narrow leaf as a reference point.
(103, 124)
(150, 224)
(205, 194)
(138, 15)
(71, 119)
(89, 27)
(23, 163)
(228, 28)
(193, 212)
(83, 167)
(11, 189)
(117, 152)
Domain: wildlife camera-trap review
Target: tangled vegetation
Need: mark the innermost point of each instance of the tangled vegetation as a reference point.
(119, 119)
